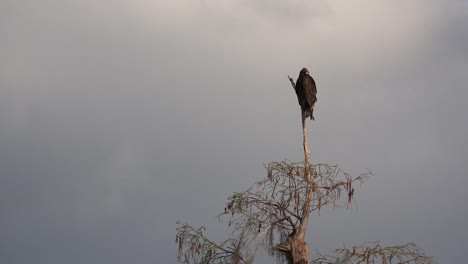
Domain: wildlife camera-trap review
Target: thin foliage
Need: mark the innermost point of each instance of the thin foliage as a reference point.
(195, 247)
(376, 253)
(268, 212)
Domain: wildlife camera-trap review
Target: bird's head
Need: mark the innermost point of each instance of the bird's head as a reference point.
(304, 71)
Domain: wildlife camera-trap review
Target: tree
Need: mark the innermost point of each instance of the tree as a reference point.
(274, 214)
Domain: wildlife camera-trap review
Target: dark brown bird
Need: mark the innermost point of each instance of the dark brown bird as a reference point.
(306, 93)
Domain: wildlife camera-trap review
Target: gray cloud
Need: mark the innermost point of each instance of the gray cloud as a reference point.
(119, 118)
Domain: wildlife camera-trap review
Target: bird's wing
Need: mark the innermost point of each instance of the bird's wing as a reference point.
(310, 90)
(298, 84)
(300, 91)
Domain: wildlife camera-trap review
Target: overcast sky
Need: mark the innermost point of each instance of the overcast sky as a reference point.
(118, 118)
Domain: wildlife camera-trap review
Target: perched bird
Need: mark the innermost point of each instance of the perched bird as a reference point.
(306, 93)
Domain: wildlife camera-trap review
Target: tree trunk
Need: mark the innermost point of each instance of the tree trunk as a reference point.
(295, 248)
(306, 209)
(300, 248)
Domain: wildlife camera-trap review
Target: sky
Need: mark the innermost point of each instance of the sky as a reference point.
(120, 118)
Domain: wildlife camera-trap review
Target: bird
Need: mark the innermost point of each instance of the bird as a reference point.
(306, 93)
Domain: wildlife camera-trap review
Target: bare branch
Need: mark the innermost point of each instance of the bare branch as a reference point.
(292, 82)
(376, 253)
(195, 247)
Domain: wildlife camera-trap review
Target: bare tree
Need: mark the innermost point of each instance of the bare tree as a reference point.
(274, 214)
